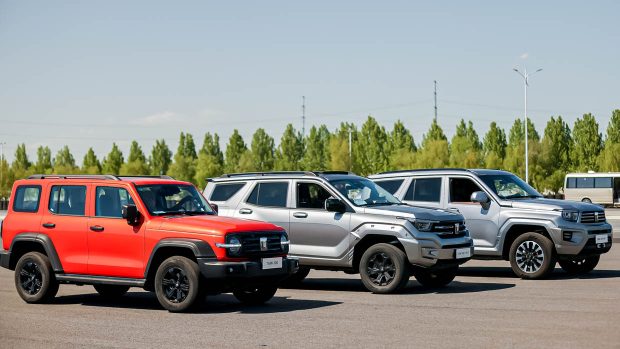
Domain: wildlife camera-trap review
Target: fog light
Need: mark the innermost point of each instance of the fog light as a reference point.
(567, 235)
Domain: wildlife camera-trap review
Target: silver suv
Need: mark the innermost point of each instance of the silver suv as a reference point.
(340, 221)
(508, 219)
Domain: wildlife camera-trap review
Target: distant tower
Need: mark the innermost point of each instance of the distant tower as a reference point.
(435, 101)
(303, 116)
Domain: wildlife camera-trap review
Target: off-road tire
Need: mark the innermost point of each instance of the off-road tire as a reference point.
(435, 278)
(296, 278)
(384, 268)
(255, 295)
(532, 256)
(178, 284)
(579, 266)
(34, 278)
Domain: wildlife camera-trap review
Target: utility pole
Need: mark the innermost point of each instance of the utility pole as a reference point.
(435, 101)
(1, 158)
(525, 77)
(303, 116)
(350, 151)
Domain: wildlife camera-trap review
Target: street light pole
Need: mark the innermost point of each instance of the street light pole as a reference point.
(525, 77)
(1, 158)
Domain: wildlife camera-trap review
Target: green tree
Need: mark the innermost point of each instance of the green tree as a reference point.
(90, 164)
(184, 165)
(435, 152)
(44, 160)
(343, 154)
(234, 150)
(316, 156)
(290, 151)
(402, 147)
(262, 150)
(113, 162)
(515, 151)
(21, 165)
(160, 158)
(465, 147)
(6, 178)
(136, 162)
(609, 159)
(587, 143)
(210, 161)
(64, 162)
(555, 157)
(494, 147)
(372, 148)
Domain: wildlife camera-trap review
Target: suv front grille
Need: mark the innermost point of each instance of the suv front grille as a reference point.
(251, 246)
(448, 230)
(593, 217)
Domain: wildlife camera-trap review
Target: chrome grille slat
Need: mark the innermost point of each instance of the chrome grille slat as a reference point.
(593, 217)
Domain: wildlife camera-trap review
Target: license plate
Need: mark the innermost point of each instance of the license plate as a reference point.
(463, 253)
(272, 263)
(602, 239)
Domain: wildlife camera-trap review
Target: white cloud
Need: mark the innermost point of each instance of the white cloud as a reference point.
(524, 55)
(162, 118)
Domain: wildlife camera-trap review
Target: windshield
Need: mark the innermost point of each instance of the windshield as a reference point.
(509, 186)
(164, 199)
(363, 192)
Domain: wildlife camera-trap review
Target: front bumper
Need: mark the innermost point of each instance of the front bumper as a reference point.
(5, 259)
(582, 241)
(430, 254)
(245, 271)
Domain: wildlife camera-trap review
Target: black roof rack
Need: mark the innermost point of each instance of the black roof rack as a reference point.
(83, 176)
(60, 176)
(273, 173)
(425, 170)
(334, 173)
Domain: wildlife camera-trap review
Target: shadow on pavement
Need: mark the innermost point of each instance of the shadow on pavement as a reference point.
(224, 303)
(413, 287)
(558, 273)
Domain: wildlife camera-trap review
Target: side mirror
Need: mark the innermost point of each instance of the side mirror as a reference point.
(130, 213)
(482, 198)
(214, 207)
(335, 205)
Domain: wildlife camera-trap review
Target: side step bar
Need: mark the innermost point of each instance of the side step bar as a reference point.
(107, 280)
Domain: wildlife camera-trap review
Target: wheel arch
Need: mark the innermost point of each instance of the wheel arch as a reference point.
(517, 229)
(34, 242)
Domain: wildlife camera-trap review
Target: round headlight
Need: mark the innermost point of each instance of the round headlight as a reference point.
(284, 242)
(234, 241)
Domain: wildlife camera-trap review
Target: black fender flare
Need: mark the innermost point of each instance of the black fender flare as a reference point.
(200, 248)
(44, 241)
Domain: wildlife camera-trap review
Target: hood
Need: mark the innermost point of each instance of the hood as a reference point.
(213, 224)
(553, 204)
(407, 211)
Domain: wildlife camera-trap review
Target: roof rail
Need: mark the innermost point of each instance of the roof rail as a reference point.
(146, 176)
(333, 173)
(425, 170)
(273, 173)
(45, 176)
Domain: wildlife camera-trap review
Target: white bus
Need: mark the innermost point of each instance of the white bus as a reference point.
(598, 188)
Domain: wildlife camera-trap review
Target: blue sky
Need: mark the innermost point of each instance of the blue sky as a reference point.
(87, 73)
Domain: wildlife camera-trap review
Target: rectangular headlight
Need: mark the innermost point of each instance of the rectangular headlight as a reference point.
(571, 216)
(423, 225)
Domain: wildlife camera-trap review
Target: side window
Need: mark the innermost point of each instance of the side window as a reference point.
(571, 182)
(223, 192)
(271, 194)
(602, 182)
(424, 189)
(311, 195)
(391, 186)
(68, 199)
(27, 198)
(461, 189)
(109, 201)
(585, 182)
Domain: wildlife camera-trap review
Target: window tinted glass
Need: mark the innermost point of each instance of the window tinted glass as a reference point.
(110, 200)
(509, 186)
(223, 192)
(27, 198)
(311, 195)
(271, 194)
(173, 199)
(68, 199)
(603, 182)
(409, 193)
(391, 186)
(461, 189)
(584, 182)
(571, 182)
(425, 189)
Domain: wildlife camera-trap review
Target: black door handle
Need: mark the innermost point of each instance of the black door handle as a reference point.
(96, 228)
(49, 225)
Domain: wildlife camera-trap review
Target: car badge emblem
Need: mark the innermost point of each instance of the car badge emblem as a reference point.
(456, 228)
(596, 216)
(263, 244)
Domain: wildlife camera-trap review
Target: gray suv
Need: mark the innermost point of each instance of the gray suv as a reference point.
(340, 221)
(508, 219)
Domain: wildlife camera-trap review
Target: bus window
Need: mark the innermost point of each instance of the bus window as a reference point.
(585, 182)
(571, 182)
(603, 182)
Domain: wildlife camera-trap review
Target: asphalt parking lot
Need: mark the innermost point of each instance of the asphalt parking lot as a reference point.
(485, 307)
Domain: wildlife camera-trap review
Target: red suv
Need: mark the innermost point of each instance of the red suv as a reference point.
(151, 232)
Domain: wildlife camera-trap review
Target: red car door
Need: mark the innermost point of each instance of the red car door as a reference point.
(115, 247)
(65, 221)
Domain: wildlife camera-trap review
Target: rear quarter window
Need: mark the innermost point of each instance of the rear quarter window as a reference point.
(27, 198)
(391, 186)
(223, 192)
